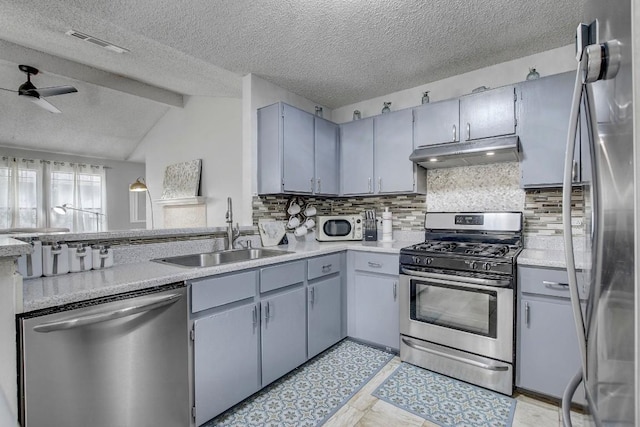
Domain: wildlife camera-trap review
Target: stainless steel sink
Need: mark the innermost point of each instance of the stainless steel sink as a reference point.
(211, 259)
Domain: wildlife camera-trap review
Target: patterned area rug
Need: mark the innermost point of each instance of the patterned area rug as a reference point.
(311, 394)
(443, 400)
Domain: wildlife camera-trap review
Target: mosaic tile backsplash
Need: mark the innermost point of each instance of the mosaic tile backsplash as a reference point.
(475, 188)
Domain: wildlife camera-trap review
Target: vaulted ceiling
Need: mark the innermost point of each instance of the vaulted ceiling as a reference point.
(334, 52)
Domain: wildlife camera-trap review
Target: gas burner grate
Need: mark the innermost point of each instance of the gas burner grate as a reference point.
(436, 246)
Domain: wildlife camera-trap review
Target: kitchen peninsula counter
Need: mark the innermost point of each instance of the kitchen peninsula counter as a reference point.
(47, 292)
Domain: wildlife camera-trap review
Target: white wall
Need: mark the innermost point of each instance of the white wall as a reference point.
(206, 128)
(258, 93)
(119, 175)
(546, 63)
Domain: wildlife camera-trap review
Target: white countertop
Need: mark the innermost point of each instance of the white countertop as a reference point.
(46, 292)
(10, 247)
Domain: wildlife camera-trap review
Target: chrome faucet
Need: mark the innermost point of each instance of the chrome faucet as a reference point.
(232, 233)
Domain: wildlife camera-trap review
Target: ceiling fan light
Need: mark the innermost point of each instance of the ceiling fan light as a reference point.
(60, 209)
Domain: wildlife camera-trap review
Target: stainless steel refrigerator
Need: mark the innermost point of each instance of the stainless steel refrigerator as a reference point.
(604, 118)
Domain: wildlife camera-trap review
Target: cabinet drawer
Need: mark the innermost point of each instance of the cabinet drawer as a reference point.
(216, 291)
(281, 275)
(321, 266)
(377, 263)
(548, 281)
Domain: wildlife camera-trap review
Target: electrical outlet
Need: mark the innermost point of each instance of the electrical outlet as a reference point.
(576, 222)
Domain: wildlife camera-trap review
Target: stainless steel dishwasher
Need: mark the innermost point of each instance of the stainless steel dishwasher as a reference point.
(115, 362)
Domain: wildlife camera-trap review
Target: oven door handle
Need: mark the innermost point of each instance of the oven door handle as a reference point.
(456, 358)
(459, 279)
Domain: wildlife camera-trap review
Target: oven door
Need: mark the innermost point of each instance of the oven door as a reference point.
(451, 312)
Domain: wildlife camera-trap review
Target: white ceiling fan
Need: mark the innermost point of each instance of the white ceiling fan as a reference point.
(35, 95)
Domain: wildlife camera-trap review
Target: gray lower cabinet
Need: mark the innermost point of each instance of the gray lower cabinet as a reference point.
(547, 345)
(373, 299)
(325, 314)
(226, 355)
(283, 334)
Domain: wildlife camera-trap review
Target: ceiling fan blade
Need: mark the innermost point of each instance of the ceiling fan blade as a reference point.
(56, 90)
(8, 90)
(44, 104)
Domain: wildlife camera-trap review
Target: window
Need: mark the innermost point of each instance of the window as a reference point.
(29, 189)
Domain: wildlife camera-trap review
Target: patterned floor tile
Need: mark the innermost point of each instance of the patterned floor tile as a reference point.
(443, 400)
(311, 394)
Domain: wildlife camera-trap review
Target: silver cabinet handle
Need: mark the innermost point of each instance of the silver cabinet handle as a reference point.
(255, 316)
(395, 290)
(526, 313)
(30, 265)
(312, 185)
(555, 285)
(454, 133)
(313, 295)
(574, 171)
(327, 268)
(369, 184)
(156, 302)
(318, 186)
(267, 311)
(468, 131)
(379, 184)
(374, 264)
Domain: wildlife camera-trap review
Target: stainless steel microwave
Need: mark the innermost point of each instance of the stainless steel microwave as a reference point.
(339, 227)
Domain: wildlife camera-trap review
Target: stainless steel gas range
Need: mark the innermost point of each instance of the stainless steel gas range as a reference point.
(457, 297)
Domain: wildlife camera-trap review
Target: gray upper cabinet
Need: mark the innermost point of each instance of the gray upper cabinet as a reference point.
(544, 121)
(298, 152)
(393, 144)
(327, 180)
(294, 146)
(356, 170)
(437, 123)
(284, 334)
(487, 114)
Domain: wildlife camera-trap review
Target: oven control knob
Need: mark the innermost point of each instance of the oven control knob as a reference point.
(486, 266)
(416, 259)
(472, 265)
(429, 260)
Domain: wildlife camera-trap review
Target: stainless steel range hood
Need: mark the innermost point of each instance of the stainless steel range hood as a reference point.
(479, 152)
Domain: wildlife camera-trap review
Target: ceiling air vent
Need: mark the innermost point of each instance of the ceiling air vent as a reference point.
(110, 46)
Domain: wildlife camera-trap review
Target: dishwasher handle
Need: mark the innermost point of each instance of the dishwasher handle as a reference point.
(81, 321)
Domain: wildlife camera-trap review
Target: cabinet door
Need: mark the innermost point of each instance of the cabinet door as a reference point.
(284, 339)
(548, 353)
(297, 147)
(436, 123)
(356, 161)
(225, 360)
(326, 157)
(490, 113)
(393, 144)
(325, 315)
(377, 310)
(544, 121)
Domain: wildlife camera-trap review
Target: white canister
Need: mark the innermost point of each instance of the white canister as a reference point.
(102, 257)
(387, 226)
(80, 257)
(55, 259)
(30, 265)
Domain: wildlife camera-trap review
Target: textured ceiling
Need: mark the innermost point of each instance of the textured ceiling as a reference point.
(334, 52)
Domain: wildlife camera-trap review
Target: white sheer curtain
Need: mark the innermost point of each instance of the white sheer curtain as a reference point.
(21, 193)
(78, 186)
